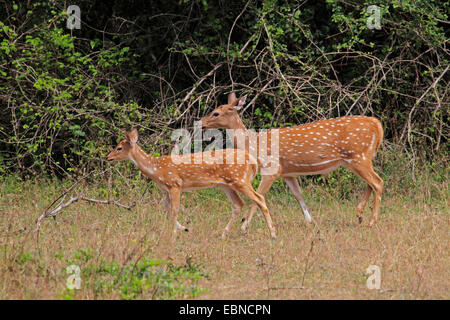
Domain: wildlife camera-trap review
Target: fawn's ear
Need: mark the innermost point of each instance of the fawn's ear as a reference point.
(231, 97)
(132, 137)
(241, 102)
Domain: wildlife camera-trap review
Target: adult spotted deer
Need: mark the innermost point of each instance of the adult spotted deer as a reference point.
(313, 148)
(229, 169)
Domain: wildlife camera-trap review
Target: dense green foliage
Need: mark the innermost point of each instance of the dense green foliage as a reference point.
(65, 95)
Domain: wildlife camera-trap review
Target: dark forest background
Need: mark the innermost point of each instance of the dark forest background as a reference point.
(66, 95)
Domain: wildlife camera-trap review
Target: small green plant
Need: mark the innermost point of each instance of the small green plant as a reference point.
(24, 258)
(148, 278)
(155, 279)
(68, 294)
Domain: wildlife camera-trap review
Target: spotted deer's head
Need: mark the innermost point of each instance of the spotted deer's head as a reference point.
(123, 149)
(225, 116)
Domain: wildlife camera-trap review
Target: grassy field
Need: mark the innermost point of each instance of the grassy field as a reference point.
(125, 254)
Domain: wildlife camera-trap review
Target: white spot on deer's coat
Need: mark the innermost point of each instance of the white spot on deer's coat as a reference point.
(371, 143)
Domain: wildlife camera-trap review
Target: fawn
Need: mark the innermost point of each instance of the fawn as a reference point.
(231, 170)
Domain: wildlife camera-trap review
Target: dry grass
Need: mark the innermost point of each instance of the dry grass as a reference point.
(410, 244)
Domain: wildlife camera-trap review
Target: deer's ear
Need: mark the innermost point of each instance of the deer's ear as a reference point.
(132, 137)
(231, 97)
(241, 102)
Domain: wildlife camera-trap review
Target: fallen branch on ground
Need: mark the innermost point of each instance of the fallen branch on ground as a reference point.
(62, 204)
(53, 213)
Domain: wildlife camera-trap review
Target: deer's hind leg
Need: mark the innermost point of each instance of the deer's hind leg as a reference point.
(258, 199)
(237, 205)
(366, 172)
(363, 203)
(263, 188)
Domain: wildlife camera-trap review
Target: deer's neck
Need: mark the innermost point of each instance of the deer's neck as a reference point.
(143, 161)
(238, 124)
(238, 134)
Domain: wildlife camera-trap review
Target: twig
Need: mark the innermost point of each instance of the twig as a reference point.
(197, 84)
(433, 86)
(288, 288)
(73, 186)
(131, 206)
(307, 258)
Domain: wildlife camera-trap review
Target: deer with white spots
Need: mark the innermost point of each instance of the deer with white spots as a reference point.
(231, 170)
(309, 149)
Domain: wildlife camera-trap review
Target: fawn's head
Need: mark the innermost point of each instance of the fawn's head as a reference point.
(226, 115)
(123, 149)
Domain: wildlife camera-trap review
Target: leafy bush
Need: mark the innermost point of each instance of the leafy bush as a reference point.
(66, 94)
(58, 98)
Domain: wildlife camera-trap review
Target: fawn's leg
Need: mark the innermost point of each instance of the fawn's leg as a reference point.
(263, 188)
(295, 189)
(248, 191)
(166, 202)
(237, 204)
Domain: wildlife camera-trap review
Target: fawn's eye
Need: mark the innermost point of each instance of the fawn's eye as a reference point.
(119, 148)
(216, 114)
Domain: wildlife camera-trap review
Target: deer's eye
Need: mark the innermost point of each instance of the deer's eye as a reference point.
(216, 114)
(119, 148)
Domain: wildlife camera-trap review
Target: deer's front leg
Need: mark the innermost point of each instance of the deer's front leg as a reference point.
(174, 196)
(293, 185)
(166, 204)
